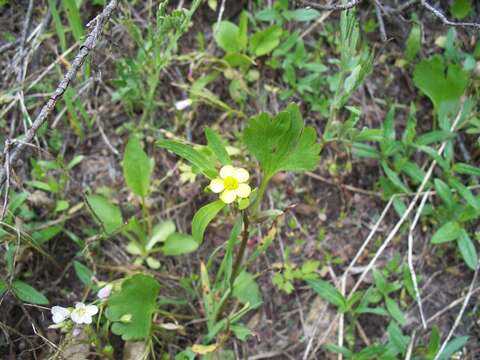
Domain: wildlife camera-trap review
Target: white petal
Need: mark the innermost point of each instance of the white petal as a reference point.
(243, 191)
(183, 104)
(92, 310)
(227, 170)
(228, 196)
(241, 175)
(59, 314)
(76, 317)
(87, 319)
(216, 185)
(79, 305)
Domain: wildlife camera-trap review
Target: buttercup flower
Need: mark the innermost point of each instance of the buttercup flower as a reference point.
(59, 314)
(231, 184)
(82, 314)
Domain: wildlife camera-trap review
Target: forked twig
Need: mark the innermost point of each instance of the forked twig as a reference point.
(46, 110)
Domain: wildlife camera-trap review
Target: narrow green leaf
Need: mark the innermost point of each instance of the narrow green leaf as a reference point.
(83, 273)
(74, 19)
(443, 190)
(366, 151)
(216, 145)
(433, 137)
(179, 244)
(462, 168)
(203, 217)
(108, 214)
(394, 178)
(414, 43)
(397, 338)
(395, 310)
(137, 167)
(328, 292)
(467, 250)
(301, 14)
(3, 287)
(434, 342)
(471, 199)
(452, 347)
(52, 6)
(448, 232)
(187, 152)
(28, 294)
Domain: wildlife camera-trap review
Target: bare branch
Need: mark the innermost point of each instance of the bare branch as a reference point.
(346, 6)
(78, 61)
(444, 19)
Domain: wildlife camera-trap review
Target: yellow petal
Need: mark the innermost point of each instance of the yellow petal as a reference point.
(216, 185)
(227, 170)
(243, 191)
(228, 196)
(241, 175)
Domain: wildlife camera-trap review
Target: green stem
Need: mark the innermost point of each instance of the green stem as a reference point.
(238, 262)
(146, 216)
(241, 251)
(261, 192)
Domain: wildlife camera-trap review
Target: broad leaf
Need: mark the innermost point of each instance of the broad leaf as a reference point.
(444, 85)
(131, 309)
(160, 233)
(108, 214)
(195, 157)
(202, 218)
(264, 41)
(179, 244)
(227, 36)
(246, 289)
(282, 143)
(137, 167)
(460, 8)
(28, 294)
(448, 232)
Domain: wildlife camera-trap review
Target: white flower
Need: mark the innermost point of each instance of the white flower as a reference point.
(183, 104)
(82, 314)
(232, 183)
(105, 291)
(59, 314)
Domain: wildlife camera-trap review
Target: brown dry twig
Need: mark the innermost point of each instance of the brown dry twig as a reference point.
(85, 49)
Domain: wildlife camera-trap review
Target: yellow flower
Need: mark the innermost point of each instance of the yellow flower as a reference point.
(231, 184)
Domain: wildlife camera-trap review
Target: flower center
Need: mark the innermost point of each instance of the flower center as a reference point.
(81, 311)
(230, 183)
